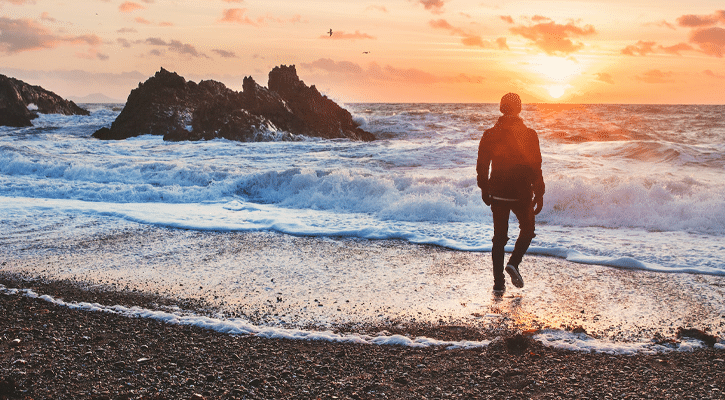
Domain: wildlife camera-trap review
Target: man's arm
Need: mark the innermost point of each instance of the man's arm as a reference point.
(538, 185)
(482, 165)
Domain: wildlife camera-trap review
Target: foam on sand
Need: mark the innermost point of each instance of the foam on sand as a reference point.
(239, 326)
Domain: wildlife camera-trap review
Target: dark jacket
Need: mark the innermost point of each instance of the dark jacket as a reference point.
(512, 152)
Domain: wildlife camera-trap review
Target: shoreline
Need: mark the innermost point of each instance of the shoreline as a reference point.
(49, 351)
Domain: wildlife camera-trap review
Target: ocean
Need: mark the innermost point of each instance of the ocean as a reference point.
(628, 187)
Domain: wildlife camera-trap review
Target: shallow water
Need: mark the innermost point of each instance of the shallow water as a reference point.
(388, 231)
(276, 281)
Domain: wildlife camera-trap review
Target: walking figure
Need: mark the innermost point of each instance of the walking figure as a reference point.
(510, 152)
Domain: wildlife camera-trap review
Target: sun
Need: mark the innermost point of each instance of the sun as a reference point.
(555, 73)
(556, 91)
(556, 69)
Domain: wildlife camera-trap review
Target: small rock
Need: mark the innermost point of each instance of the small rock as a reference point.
(256, 382)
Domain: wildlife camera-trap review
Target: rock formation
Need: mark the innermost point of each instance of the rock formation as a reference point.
(166, 104)
(16, 96)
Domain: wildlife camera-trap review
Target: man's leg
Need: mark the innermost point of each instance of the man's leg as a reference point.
(525, 214)
(501, 212)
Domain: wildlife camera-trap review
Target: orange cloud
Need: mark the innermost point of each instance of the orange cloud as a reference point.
(554, 38)
(224, 53)
(676, 49)
(45, 16)
(348, 36)
(507, 18)
(604, 77)
(467, 38)
(377, 8)
(696, 21)
(237, 15)
(713, 75)
(387, 73)
(175, 46)
(141, 20)
(655, 76)
(18, 35)
(642, 48)
(434, 6)
(710, 40)
(130, 6)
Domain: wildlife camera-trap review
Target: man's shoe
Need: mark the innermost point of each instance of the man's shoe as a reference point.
(516, 279)
(499, 289)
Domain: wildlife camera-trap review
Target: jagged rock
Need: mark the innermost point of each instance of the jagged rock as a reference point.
(166, 104)
(16, 96)
(318, 113)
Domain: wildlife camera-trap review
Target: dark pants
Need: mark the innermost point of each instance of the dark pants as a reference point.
(501, 210)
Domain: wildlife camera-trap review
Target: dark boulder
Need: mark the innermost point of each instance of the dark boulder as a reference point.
(16, 96)
(166, 104)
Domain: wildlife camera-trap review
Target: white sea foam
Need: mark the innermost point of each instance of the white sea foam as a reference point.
(239, 326)
(630, 192)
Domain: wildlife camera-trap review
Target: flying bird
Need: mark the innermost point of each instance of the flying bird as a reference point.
(330, 32)
(366, 52)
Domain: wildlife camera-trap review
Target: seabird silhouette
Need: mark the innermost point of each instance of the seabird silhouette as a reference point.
(366, 52)
(330, 32)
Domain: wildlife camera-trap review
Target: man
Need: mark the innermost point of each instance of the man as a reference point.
(511, 151)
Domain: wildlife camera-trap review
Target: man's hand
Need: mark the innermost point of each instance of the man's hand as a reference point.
(486, 197)
(537, 203)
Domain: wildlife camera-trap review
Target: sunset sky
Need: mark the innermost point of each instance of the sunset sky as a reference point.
(661, 51)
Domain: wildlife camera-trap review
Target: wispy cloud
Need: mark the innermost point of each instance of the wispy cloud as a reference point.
(507, 18)
(656, 76)
(676, 49)
(224, 53)
(713, 74)
(173, 46)
(377, 73)
(377, 8)
(238, 16)
(642, 48)
(554, 38)
(342, 35)
(18, 35)
(434, 6)
(604, 77)
(45, 16)
(697, 21)
(130, 6)
(710, 40)
(468, 38)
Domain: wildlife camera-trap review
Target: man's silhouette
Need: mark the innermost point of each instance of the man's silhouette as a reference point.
(510, 151)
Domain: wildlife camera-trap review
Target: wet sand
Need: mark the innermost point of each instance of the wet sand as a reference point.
(352, 285)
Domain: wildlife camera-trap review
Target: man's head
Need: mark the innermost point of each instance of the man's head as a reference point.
(510, 104)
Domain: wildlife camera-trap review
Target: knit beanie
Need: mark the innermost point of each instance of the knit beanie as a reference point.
(510, 104)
